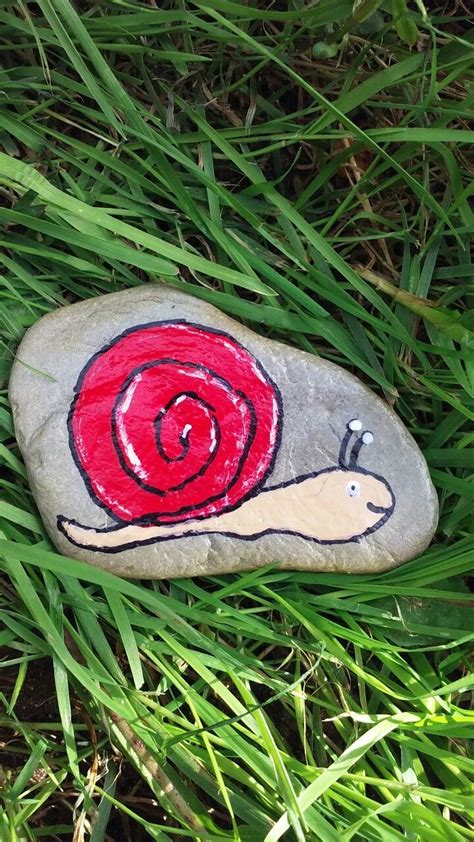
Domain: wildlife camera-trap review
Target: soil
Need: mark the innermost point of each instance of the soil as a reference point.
(35, 708)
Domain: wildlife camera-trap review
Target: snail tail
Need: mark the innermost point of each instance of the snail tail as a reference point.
(115, 538)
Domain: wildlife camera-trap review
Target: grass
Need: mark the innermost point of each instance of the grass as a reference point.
(310, 173)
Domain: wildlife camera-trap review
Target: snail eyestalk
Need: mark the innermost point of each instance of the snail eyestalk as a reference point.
(353, 426)
(366, 438)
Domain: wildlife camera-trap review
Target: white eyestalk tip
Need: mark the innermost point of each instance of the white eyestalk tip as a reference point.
(355, 425)
(367, 437)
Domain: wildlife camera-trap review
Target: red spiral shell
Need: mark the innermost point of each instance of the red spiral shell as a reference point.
(173, 421)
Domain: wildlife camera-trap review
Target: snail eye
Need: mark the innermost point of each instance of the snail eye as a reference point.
(353, 489)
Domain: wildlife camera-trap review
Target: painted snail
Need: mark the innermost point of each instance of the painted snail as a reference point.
(175, 429)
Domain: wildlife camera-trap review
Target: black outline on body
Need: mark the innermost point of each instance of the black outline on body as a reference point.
(387, 512)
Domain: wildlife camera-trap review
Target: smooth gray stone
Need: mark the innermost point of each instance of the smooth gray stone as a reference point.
(318, 400)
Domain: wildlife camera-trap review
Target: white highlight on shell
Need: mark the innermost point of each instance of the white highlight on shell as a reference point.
(129, 449)
(213, 439)
(355, 425)
(186, 429)
(135, 461)
(133, 456)
(111, 500)
(130, 393)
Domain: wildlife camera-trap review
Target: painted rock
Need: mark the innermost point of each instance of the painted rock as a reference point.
(164, 439)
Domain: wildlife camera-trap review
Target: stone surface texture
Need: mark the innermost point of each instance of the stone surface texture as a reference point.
(319, 399)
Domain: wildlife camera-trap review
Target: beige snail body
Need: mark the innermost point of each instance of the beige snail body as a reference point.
(330, 507)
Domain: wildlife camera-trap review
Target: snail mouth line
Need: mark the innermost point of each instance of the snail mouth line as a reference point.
(378, 509)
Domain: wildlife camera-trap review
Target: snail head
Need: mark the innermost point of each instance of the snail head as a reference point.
(365, 500)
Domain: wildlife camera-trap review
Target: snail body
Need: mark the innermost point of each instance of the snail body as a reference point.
(175, 429)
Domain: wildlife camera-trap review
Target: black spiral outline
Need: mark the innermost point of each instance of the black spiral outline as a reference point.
(160, 517)
(162, 493)
(184, 441)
